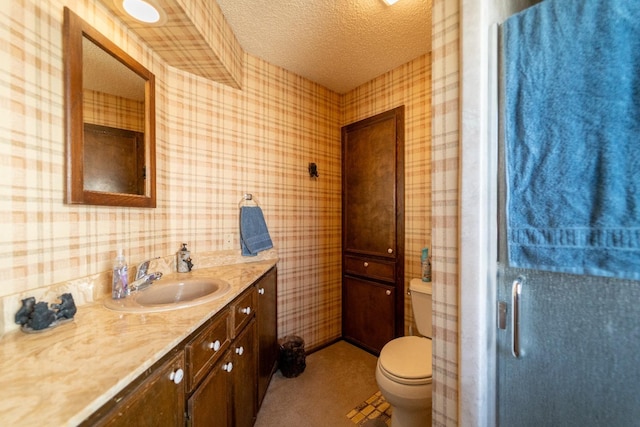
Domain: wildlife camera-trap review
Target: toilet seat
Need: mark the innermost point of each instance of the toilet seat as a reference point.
(407, 360)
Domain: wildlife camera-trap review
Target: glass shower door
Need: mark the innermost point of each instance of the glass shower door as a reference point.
(568, 346)
(577, 347)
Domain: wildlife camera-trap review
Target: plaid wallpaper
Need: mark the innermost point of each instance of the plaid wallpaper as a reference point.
(445, 51)
(214, 144)
(100, 108)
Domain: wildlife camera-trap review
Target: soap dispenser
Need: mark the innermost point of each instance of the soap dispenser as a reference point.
(183, 262)
(120, 278)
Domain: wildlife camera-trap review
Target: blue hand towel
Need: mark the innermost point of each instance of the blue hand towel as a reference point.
(572, 137)
(254, 236)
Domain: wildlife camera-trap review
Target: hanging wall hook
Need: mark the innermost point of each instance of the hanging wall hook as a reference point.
(313, 170)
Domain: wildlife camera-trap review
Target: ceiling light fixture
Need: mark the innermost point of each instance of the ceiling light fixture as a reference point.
(390, 2)
(141, 10)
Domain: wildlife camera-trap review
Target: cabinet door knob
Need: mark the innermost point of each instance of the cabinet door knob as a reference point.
(390, 250)
(366, 264)
(215, 346)
(261, 291)
(227, 367)
(240, 351)
(245, 310)
(388, 292)
(176, 376)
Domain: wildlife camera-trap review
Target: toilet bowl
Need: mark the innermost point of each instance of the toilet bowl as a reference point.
(403, 372)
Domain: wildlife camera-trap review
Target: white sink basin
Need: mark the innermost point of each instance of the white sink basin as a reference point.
(171, 295)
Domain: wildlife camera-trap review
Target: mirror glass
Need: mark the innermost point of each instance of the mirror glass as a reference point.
(110, 121)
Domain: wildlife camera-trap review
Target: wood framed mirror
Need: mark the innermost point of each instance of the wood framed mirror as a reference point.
(109, 121)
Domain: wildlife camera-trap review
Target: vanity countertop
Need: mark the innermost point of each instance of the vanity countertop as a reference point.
(62, 375)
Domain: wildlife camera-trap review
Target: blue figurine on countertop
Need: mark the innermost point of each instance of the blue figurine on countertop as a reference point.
(67, 307)
(36, 316)
(22, 316)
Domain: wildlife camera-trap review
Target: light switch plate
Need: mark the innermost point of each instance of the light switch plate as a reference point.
(228, 241)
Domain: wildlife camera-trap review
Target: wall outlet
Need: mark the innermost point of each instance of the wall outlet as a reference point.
(228, 241)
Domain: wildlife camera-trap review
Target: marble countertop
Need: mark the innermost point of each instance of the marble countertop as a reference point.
(62, 375)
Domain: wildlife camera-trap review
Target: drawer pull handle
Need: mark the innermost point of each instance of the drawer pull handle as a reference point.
(390, 250)
(261, 291)
(366, 264)
(246, 310)
(240, 351)
(227, 367)
(215, 346)
(176, 376)
(388, 292)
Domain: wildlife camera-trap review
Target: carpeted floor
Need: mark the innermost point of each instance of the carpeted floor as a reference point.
(337, 379)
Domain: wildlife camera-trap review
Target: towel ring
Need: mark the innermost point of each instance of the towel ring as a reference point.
(248, 198)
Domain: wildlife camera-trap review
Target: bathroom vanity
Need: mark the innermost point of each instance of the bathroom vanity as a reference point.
(186, 366)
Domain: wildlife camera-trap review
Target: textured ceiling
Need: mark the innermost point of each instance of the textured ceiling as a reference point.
(121, 81)
(339, 44)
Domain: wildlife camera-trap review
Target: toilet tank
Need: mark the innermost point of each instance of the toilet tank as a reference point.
(421, 305)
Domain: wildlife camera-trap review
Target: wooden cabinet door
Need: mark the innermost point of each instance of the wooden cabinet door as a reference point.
(210, 404)
(244, 377)
(114, 160)
(373, 229)
(267, 326)
(370, 194)
(156, 401)
(367, 311)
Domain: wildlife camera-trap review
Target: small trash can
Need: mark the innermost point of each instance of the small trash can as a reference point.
(292, 358)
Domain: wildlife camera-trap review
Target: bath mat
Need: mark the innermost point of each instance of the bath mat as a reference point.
(373, 412)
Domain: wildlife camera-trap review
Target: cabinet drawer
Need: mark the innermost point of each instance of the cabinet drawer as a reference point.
(205, 349)
(366, 267)
(243, 309)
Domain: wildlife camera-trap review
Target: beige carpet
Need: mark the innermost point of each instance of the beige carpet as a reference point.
(336, 380)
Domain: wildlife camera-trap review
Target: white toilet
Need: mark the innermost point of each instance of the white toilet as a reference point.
(404, 366)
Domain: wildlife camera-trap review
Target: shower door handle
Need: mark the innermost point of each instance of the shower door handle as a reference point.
(516, 292)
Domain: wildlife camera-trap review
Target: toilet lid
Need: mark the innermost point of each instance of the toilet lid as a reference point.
(407, 360)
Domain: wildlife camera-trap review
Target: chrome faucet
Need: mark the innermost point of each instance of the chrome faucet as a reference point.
(144, 279)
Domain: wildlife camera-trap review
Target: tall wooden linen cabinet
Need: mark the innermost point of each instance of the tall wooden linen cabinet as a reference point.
(373, 230)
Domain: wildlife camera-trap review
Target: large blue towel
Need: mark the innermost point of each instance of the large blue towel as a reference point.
(254, 236)
(572, 134)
